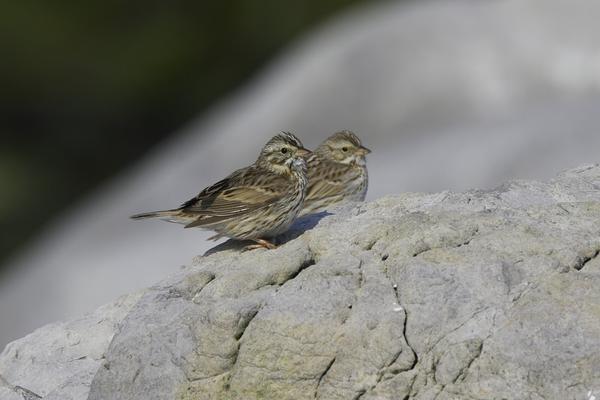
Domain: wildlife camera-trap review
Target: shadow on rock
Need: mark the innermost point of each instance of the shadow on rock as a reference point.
(300, 226)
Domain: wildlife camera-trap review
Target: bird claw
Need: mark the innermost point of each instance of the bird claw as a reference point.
(260, 244)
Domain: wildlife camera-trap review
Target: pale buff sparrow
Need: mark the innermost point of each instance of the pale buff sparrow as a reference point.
(337, 171)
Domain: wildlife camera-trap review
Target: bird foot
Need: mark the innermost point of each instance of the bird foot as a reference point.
(260, 244)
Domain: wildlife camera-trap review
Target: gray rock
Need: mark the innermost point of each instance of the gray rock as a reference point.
(58, 361)
(10, 392)
(448, 94)
(475, 295)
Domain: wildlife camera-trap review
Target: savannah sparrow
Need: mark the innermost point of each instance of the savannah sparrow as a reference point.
(253, 203)
(337, 171)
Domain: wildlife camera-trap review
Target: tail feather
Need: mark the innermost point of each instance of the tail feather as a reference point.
(155, 214)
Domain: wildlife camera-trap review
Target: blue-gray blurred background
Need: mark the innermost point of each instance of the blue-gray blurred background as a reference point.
(110, 108)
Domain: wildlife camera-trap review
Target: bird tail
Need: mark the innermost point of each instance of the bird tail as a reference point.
(165, 214)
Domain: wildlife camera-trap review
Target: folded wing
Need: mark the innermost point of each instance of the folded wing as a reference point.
(223, 201)
(328, 182)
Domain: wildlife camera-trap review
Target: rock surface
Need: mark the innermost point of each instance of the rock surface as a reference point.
(448, 94)
(58, 361)
(474, 295)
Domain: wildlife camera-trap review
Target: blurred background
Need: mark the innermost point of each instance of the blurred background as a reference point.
(88, 88)
(108, 109)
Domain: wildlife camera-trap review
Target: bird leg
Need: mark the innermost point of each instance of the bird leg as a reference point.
(260, 243)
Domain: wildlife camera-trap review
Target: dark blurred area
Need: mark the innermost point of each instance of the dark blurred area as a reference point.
(87, 87)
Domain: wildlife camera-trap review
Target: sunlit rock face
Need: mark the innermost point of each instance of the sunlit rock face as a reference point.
(479, 294)
(449, 95)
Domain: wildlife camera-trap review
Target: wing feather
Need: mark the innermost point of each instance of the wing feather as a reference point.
(327, 181)
(235, 196)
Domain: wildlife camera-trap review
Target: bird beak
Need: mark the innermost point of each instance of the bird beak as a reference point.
(363, 151)
(302, 152)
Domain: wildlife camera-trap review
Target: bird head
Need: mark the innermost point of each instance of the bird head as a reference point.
(283, 154)
(343, 147)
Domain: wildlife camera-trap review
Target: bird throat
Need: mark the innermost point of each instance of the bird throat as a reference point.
(280, 169)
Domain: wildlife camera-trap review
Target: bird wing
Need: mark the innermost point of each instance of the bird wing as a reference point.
(327, 181)
(234, 196)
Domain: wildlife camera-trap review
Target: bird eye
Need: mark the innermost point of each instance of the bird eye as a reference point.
(284, 150)
(344, 149)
